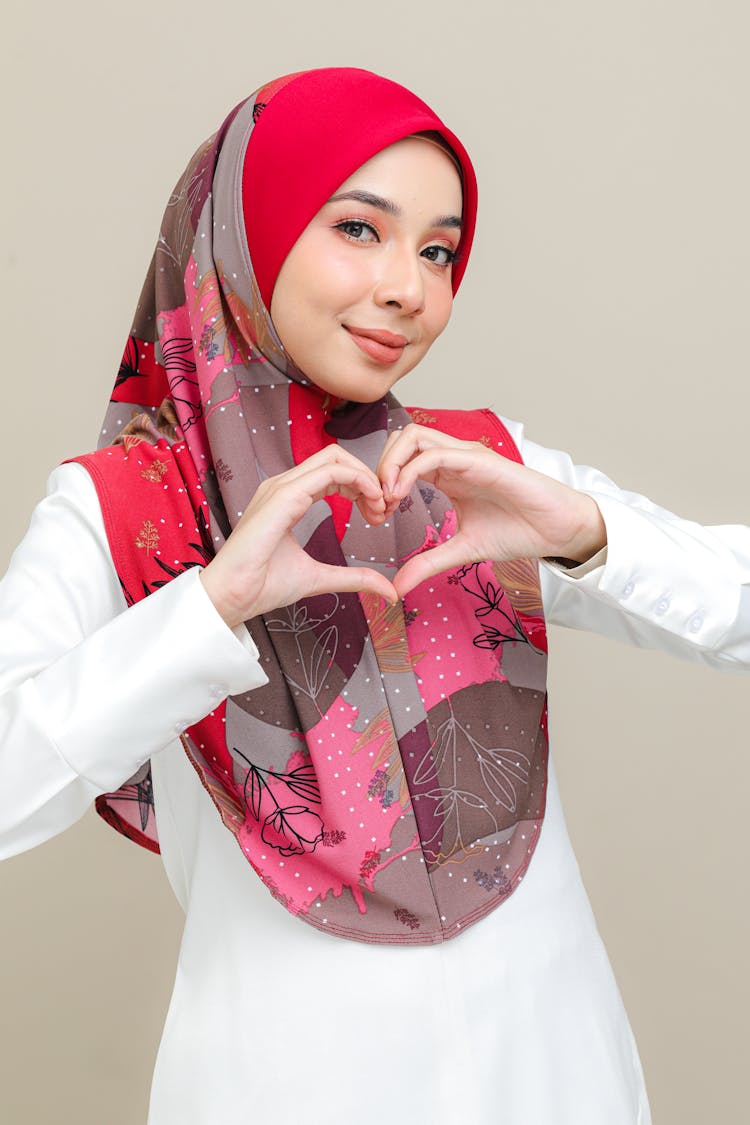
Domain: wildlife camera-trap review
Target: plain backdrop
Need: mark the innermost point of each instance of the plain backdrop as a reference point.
(606, 305)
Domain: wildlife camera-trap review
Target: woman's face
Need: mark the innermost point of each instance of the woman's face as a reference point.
(366, 288)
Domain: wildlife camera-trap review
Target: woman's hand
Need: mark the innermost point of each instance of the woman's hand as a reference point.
(504, 510)
(262, 567)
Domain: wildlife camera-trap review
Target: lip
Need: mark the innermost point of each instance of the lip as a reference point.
(379, 344)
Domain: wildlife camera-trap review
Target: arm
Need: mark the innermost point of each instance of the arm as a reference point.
(90, 689)
(663, 582)
(86, 694)
(666, 583)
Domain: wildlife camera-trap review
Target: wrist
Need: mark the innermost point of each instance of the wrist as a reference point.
(224, 606)
(590, 538)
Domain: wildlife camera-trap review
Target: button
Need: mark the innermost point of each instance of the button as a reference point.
(627, 589)
(661, 606)
(695, 622)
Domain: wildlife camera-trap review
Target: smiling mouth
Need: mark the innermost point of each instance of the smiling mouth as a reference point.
(380, 345)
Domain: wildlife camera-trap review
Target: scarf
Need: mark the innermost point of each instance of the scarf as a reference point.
(388, 783)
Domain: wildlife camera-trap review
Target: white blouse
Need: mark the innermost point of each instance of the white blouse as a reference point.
(518, 1020)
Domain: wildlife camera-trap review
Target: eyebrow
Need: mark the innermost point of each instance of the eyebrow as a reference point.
(392, 208)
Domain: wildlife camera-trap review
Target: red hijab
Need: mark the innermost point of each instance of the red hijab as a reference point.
(317, 128)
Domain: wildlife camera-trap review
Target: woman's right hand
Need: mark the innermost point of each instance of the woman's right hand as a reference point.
(261, 566)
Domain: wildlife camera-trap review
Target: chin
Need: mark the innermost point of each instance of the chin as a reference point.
(369, 388)
(355, 379)
(352, 394)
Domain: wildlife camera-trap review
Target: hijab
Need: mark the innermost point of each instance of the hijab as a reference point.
(388, 782)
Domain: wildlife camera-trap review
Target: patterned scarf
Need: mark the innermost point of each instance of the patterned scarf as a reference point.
(388, 783)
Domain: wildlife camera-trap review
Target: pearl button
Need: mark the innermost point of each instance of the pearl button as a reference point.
(627, 589)
(695, 622)
(661, 606)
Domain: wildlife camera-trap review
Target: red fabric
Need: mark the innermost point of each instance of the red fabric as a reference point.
(139, 362)
(312, 133)
(470, 425)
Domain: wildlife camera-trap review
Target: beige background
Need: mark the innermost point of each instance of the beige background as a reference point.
(606, 305)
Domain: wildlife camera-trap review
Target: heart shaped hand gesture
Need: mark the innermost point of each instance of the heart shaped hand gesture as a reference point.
(504, 511)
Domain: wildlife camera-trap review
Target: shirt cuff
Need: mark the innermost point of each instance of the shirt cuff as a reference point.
(674, 574)
(584, 568)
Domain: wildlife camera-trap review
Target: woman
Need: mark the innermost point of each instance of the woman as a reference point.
(373, 746)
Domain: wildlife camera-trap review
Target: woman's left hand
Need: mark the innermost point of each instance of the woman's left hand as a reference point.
(504, 510)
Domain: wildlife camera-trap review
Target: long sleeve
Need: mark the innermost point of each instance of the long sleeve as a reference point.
(89, 689)
(87, 693)
(666, 583)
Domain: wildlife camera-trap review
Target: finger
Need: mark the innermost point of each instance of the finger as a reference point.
(272, 514)
(353, 480)
(330, 454)
(353, 579)
(429, 464)
(372, 511)
(401, 446)
(446, 556)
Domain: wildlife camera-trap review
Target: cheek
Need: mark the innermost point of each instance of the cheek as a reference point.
(342, 280)
(441, 308)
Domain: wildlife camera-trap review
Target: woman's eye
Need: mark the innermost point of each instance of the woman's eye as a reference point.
(357, 230)
(440, 255)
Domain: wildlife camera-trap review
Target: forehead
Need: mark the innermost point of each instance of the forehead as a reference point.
(416, 169)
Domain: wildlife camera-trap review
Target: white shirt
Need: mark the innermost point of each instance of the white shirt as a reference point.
(518, 1020)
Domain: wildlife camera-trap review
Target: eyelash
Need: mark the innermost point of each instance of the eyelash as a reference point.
(451, 255)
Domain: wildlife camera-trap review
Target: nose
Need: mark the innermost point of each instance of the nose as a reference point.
(401, 281)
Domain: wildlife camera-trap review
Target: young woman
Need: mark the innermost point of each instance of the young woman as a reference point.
(290, 633)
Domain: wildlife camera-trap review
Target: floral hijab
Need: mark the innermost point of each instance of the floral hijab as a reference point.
(388, 782)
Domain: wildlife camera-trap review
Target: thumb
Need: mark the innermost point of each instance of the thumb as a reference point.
(354, 579)
(455, 552)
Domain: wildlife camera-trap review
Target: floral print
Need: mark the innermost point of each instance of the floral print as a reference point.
(496, 881)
